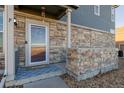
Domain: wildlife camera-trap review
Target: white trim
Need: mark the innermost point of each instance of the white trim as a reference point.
(9, 43)
(69, 28)
(36, 63)
(112, 14)
(30, 22)
(97, 12)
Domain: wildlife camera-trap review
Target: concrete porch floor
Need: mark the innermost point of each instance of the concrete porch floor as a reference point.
(27, 75)
(54, 82)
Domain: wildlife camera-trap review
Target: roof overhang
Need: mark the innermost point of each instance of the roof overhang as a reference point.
(53, 11)
(70, 6)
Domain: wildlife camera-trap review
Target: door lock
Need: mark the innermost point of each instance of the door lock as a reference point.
(26, 42)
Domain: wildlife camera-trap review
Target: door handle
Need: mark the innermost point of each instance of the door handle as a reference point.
(26, 42)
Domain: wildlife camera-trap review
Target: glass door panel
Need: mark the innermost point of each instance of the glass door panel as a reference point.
(38, 44)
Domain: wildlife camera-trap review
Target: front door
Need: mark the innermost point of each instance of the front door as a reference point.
(37, 38)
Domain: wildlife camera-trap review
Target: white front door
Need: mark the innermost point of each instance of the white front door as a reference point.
(37, 44)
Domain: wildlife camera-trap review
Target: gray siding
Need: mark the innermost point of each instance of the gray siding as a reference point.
(85, 16)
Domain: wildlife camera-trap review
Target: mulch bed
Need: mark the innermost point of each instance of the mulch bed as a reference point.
(112, 79)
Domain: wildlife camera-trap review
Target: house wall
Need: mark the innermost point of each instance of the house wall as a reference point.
(92, 52)
(57, 38)
(85, 16)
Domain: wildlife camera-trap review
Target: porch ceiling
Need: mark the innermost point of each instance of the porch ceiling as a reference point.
(54, 11)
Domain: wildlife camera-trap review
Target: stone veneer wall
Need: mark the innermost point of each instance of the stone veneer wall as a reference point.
(92, 52)
(57, 39)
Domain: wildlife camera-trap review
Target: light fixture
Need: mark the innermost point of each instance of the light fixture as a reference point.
(15, 22)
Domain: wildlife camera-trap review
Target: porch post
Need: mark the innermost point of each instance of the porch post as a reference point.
(9, 42)
(69, 28)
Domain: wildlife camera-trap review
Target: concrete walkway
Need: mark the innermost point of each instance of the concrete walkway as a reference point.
(54, 82)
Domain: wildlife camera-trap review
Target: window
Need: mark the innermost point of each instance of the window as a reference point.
(1, 31)
(112, 14)
(97, 10)
(112, 31)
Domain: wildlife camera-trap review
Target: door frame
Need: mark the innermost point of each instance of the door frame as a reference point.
(30, 22)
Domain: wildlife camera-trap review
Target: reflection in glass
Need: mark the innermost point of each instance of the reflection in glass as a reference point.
(38, 54)
(38, 35)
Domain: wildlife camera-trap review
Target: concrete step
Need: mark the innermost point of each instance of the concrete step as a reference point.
(54, 82)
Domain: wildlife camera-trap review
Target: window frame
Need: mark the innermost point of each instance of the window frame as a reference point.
(112, 14)
(2, 31)
(95, 10)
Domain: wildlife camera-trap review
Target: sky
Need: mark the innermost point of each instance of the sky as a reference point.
(119, 16)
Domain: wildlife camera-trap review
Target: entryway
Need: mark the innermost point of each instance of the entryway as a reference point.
(37, 43)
